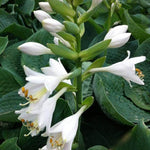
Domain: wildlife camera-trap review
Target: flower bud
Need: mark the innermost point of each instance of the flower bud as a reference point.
(45, 6)
(58, 38)
(118, 36)
(33, 48)
(94, 4)
(41, 15)
(52, 25)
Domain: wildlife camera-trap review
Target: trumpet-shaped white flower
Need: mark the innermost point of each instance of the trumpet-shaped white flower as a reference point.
(41, 15)
(62, 134)
(118, 36)
(125, 69)
(94, 4)
(34, 48)
(52, 25)
(38, 116)
(56, 69)
(45, 6)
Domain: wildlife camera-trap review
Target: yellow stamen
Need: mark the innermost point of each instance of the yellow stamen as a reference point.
(26, 93)
(23, 89)
(51, 140)
(139, 73)
(22, 120)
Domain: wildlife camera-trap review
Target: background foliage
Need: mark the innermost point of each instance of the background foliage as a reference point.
(119, 114)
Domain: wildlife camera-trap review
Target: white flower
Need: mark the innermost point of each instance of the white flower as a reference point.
(41, 15)
(33, 92)
(49, 79)
(39, 115)
(45, 6)
(94, 4)
(55, 69)
(118, 36)
(125, 69)
(52, 25)
(34, 48)
(62, 134)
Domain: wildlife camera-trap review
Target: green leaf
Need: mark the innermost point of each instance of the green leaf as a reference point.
(87, 83)
(88, 102)
(63, 51)
(7, 82)
(96, 64)
(8, 104)
(109, 92)
(5, 20)
(135, 29)
(138, 139)
(20, 32)
(26, 142)
(10, 144)
(98, 148)
(139, 95)
(11, 61)
(98, 129)
(10, 133)
(94, 50)
(3, 44)
(62, 8)
(25, 6)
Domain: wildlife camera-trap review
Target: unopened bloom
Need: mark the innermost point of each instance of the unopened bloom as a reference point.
(39, 115)
(52, 25)
(94, 4)
(45, 6)
(62, 134)
(125, 69)
(118, 36)
(34, 48)
(41, 15)
(57, 39)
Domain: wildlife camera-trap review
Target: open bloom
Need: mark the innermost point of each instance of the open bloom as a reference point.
(55, 69)
(62, 134)
(41, 15)
(52, 25)
(39, 115)
(34, 48)
(118, 36)
(94, 4)
(125, 69)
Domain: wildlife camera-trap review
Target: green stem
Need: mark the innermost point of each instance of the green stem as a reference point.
(79, 78)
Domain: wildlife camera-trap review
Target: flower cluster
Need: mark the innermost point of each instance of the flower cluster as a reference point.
(37, 112)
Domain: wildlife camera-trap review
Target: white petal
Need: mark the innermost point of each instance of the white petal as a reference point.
(46, 113)
(119, 40)
(36, 79)
(30, 72)
(41, 15)
(137, 60)
(52, 82)
(68, 145)
(45, 6)
(52, 25)
(116, 31)
(34, 48)
(43, 148)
